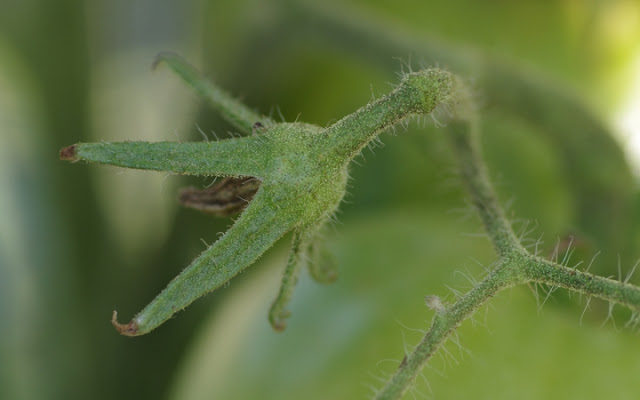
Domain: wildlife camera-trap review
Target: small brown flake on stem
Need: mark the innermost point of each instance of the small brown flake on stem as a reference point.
(257, 127)
(130, 329)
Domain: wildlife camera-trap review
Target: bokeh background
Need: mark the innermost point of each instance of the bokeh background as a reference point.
(78, 241)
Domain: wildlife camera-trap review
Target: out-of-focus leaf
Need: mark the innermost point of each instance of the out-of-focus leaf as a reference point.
(32, 286)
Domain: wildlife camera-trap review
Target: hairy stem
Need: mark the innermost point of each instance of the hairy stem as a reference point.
(515, 265)
(444, 323)
(466, 147)
(543, 271)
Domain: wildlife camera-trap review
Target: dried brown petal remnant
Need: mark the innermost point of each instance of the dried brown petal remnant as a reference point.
(227, 197)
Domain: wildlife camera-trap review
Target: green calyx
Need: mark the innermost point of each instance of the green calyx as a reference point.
(304, 180)
(302, 170)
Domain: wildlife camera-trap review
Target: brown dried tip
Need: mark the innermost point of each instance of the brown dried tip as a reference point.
(68, 153)
(279, 325)
(156, 62)
(130, 329)
(162, 57)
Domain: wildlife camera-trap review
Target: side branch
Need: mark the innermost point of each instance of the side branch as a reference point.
(446, 320)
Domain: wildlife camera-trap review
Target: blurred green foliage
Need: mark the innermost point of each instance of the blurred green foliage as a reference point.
(77, 242)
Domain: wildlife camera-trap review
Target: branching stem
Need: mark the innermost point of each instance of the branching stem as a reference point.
(515, 265)
(444, 323)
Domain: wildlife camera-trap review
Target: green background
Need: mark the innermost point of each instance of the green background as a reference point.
(78, 241)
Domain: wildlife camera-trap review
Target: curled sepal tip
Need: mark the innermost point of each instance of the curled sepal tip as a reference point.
(278, 313)
(164, 56)
(130, 329)
(278, 321)
(323, 265)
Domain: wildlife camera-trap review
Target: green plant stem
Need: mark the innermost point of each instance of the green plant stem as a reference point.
(543, 271)
(515, 266)
(444, 323)
(464, 140)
